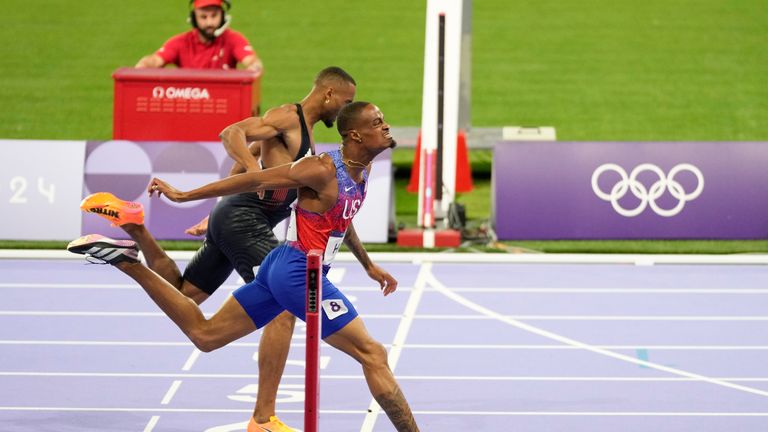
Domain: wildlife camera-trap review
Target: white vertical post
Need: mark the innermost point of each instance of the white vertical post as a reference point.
(465, 86)
(452, 12)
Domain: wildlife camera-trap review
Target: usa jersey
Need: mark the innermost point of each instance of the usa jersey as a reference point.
(309, 230)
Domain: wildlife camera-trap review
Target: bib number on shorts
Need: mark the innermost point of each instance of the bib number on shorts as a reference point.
(334, 308)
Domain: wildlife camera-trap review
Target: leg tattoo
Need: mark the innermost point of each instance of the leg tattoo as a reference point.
(398, 411)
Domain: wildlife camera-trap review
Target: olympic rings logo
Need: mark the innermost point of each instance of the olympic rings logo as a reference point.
(647, 196)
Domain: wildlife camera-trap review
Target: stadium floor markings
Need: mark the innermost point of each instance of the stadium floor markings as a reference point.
(180, 394)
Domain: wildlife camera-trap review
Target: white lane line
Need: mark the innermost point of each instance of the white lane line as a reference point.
(361, 377)
(191, 359)
(568, 347)
(408, 345)
(66, 286)
(431, 412)
(617, 290)
(36, 285)
(82, 286)
(565, 340)
(90, 314)
(336, 275)
(171, 392)
(485, 289)
(436, 316)
(82, 313)
(397, 345)
(593, 414)
(566, 378)
(586, 317)
(99, 343)
(152, 423)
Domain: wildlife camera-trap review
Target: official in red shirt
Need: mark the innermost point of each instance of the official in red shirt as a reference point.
(210, 45)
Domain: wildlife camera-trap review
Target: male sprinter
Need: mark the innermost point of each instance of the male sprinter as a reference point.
(332, 187)
(239, 233)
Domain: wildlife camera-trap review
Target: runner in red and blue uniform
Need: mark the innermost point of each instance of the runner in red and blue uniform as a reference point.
(331, 188)
(286, 266)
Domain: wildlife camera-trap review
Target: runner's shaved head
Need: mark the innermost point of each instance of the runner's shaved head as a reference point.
(333, 75)
(349, 115)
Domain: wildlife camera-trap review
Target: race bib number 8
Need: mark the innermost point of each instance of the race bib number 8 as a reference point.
(334, 308)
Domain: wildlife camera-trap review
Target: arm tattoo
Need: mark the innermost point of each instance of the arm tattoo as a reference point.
(352, 241)
(398, 411)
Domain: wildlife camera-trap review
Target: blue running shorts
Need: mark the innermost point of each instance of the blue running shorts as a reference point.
(281, 285)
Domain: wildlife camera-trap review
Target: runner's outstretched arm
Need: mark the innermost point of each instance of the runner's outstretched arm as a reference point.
(313, 172)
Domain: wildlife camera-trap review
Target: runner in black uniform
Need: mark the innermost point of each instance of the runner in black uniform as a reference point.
(240, 227)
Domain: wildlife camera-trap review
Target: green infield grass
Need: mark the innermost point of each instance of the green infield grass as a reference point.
(595, 70)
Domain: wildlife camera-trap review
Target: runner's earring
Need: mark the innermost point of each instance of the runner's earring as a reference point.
(327, 100)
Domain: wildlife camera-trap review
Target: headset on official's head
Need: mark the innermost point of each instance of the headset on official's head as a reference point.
(226, 6)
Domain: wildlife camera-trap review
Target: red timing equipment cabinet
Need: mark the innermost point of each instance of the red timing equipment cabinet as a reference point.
(179, 104)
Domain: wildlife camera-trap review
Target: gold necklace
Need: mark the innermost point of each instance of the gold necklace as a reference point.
(352, 163)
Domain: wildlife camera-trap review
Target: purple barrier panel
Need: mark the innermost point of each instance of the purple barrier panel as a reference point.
(125, 168)
(631, 190)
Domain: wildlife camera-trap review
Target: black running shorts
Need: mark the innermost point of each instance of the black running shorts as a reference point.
(238, 238)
